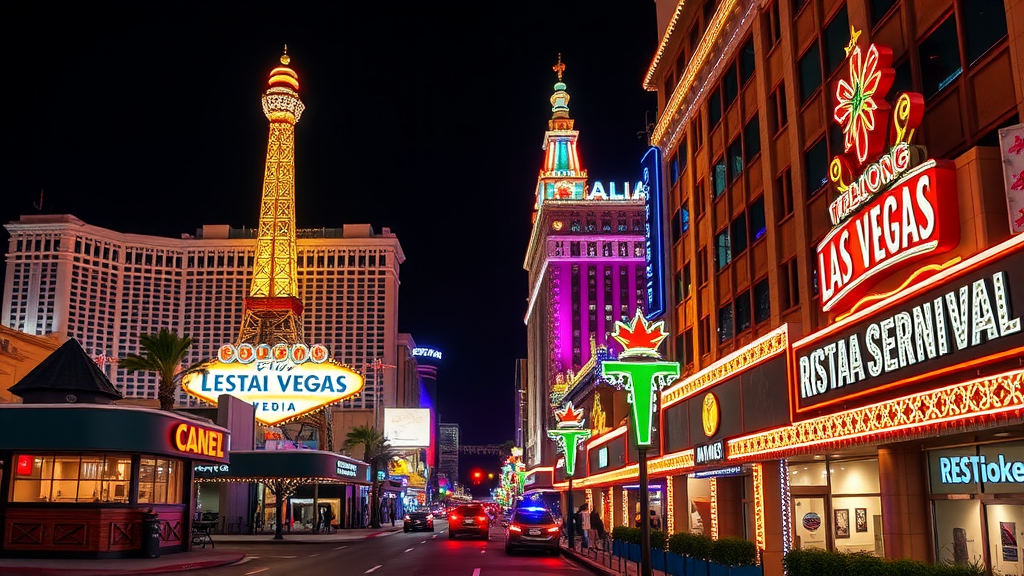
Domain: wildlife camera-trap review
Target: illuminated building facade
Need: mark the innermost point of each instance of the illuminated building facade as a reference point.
(833, 382)
(586, 265)
(104, 288)
(448, 452)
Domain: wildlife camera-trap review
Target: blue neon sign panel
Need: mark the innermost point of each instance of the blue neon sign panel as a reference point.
(654, 230)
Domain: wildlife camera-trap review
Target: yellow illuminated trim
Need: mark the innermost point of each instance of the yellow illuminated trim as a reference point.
(890, 420)
(284, 79)
(625, 507)
(714, 508)
(283, 70)
(675, 463)
(670, 509)
(661, 47)
(590, 499)
(606, 437)
(775, 342)
(759, 534)
(683, 86)
(876, 297)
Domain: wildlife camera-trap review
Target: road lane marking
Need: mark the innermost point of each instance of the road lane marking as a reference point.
(341, 547)
(482, 551)
(434, 536)
(246, 559)
(409, 550)
(424, 542)
(256, 571)
(372, 569)
(476, 572)
(312, 555)
(282, 556)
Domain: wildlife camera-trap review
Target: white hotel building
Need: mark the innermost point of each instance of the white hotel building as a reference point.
(105, 288)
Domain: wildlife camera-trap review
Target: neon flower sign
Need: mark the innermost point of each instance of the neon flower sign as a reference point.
(893, 207)
(640, 371)
(569, 432)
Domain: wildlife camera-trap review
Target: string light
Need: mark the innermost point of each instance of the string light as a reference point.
(759, 535)
(670, 520)
(625, 507)
(714, 508)
(787, 503)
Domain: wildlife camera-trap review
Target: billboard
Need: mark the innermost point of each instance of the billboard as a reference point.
(282, 382)
(407, 427)
(654, 232)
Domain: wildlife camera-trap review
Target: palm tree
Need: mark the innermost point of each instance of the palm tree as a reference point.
(162, 353)
(377, 452)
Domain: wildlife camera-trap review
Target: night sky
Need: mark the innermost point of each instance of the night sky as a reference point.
(419, 117)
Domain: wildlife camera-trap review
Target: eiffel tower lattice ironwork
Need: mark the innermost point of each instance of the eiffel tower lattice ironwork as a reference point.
(272, 312)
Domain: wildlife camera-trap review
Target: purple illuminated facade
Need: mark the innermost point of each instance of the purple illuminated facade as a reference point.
(586, 264)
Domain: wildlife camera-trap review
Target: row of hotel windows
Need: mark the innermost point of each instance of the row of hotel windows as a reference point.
(622, 225)
(607, 249)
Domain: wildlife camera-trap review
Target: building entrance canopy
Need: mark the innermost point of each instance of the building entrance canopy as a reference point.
(301, 466)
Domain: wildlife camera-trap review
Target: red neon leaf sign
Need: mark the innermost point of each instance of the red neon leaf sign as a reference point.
(860, 102)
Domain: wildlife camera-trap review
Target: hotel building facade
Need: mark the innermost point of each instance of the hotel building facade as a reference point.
(105, 288)
(845, 304)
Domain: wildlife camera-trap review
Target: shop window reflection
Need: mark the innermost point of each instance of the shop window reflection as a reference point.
(160, 481)
(837, 505)
(66, 478)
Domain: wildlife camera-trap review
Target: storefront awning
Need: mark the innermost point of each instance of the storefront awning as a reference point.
(110, 428)
(304, 466)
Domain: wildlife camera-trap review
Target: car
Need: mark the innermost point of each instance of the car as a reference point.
(469, 519)
(532, 527)
(418, 521)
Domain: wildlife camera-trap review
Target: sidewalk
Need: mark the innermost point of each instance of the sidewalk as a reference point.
(198, 558)
(604, 563)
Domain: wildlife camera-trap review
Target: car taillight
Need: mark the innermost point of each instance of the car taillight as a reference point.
(453, 517)
(514, 528)
(430, 516)
(553, 529)
(407, 517)
(481, 518)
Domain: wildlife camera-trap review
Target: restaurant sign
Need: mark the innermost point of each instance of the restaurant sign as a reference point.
(970, 314)
(893, 207)
(282, 382)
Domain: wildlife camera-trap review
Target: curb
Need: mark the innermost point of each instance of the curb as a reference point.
(164, 568)
(589, 564)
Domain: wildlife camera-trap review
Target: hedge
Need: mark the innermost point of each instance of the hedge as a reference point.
(819, 562)
(724, 551)
(659, 538)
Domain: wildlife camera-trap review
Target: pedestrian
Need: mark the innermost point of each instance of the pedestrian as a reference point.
(584, 511)
(655, 521)
(598, 525)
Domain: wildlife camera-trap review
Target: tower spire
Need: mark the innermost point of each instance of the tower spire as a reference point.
(562, 177)
(273, 310)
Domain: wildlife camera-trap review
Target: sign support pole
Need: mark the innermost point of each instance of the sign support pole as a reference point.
(569, 517)
(645, 521)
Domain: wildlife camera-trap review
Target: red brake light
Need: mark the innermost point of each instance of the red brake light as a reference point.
(453, 516)
(514, 528)
(481, 518)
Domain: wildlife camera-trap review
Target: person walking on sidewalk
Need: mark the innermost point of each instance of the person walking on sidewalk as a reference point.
(598, 525)
(584, 515)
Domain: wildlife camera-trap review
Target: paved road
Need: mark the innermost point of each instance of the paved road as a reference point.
(397, 554)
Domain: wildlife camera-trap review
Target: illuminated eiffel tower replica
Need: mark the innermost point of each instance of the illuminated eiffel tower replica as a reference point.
(272, 312)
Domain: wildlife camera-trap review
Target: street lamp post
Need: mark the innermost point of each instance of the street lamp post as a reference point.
(641, 372)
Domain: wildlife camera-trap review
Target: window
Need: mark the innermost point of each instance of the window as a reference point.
(688, 355)
(684, 217)
(751, 139)
(777, 116)
(816, 167)
(699, 197)
(673, 169)
(695, 34)
(837, 37)
(810, 73)
(784, 193)
(719, 176)
(698, 130)
(725, 323)
(160, 481)
(743, 312)
(735, 159)
(714, 107)
(704, 340)
(702, 266)
(709, 11)
(730, 85)
(676, 226)
(670, 80)
(757, 222)
(773, 24)
(738, 234)
(940, 58)
(762, 302)
(789, 285)
(799, 4)
(679, 287)
(72, 478)
(878, 9)
(681, 152)
(747, 62)
(685, 284)
(984, 25)
(723, 249)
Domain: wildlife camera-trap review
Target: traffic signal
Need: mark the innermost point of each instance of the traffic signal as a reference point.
(477, 474)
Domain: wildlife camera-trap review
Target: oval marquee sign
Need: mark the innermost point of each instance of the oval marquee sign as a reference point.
(709, 415)
(282, 381)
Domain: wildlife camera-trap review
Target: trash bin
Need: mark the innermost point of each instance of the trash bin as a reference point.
(150, 535)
